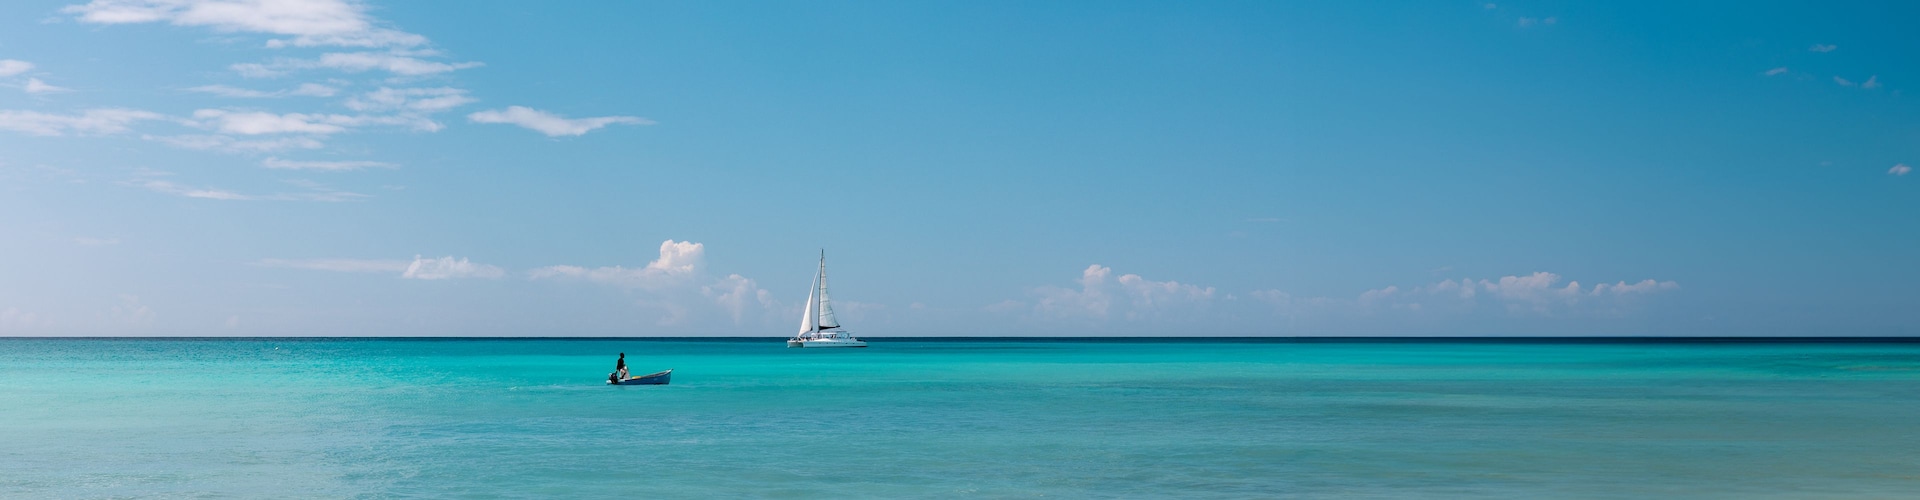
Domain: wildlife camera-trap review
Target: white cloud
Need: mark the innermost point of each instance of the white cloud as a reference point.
(305, 89)
(1899, 169)
(676, 285)
(1842, 81)
(338, 265)
(420, 100)
(1540, 292)
(1132, 296)
(276, 163)
(551, 124)
(677, 263)
(309, 22)
(734, 293)
(232, 145)
(257, 70)
(403, 63)
(11, 67)
(419, 268)
(1776, 71)
(168, 187)
(313, 90)
(1822, 48)
(1644, 286)
(131, 312)
(448, 268)
(227, 91)
(1873, 82)
(258, 122)
(310, 191)
(35, 86)
(93, 121)
(355, 62)
(264, 123)
(16, 320)
(314, 191)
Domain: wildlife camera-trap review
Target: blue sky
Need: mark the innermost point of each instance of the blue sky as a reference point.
(327, 167)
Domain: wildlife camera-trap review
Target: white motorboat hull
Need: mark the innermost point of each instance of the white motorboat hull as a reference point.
(655, 378)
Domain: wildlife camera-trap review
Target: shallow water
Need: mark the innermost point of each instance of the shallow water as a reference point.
(943, 418)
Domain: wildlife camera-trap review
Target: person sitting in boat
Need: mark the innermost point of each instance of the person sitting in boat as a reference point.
(620, 368)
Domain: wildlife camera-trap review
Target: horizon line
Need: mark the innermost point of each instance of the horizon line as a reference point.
(1272, 339)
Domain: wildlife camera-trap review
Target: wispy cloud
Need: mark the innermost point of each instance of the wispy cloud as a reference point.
(234, 145)
(1899, 169)
(419, 100)
(310, 191)
(262, 123)
(276, 163)
(305, 89)
(1842, 81)
(1100, 297)
(1822, 48)
(1776, 71)
(1540, 294)
(420, 268)
(406, 63)
(11, 67)
(308, 22)
(93, 121)
(1528, 22)
(258, 122)
(15, 320)
(449, 268)
(338, 265)
(1873, 82)
(35, 86)
(169, 187)
(677, 263)
(673, 284)
(551, 124)
(735, 293)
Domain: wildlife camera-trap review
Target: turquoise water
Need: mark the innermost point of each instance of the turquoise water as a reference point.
(986, 418)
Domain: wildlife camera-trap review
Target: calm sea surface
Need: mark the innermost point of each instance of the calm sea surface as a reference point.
(954, 418)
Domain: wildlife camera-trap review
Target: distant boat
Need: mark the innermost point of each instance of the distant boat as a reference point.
(655, 378)
(818, 328)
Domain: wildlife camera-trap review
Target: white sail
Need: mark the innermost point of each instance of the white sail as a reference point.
(806, 318)
(826, 307)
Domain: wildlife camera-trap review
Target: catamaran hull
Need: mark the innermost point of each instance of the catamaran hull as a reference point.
(824, 343)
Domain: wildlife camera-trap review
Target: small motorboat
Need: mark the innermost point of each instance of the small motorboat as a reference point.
(655, 378)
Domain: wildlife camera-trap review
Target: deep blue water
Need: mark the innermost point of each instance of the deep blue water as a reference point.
(332, 418)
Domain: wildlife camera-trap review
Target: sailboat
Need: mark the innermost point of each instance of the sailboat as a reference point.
(818, 328)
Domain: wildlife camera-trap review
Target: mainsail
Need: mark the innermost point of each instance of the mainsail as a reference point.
(826, 307)
(819, 314)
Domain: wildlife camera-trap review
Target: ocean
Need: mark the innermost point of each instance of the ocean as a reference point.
(1074, 418)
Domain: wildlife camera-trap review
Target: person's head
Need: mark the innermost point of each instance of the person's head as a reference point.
(623, 355)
